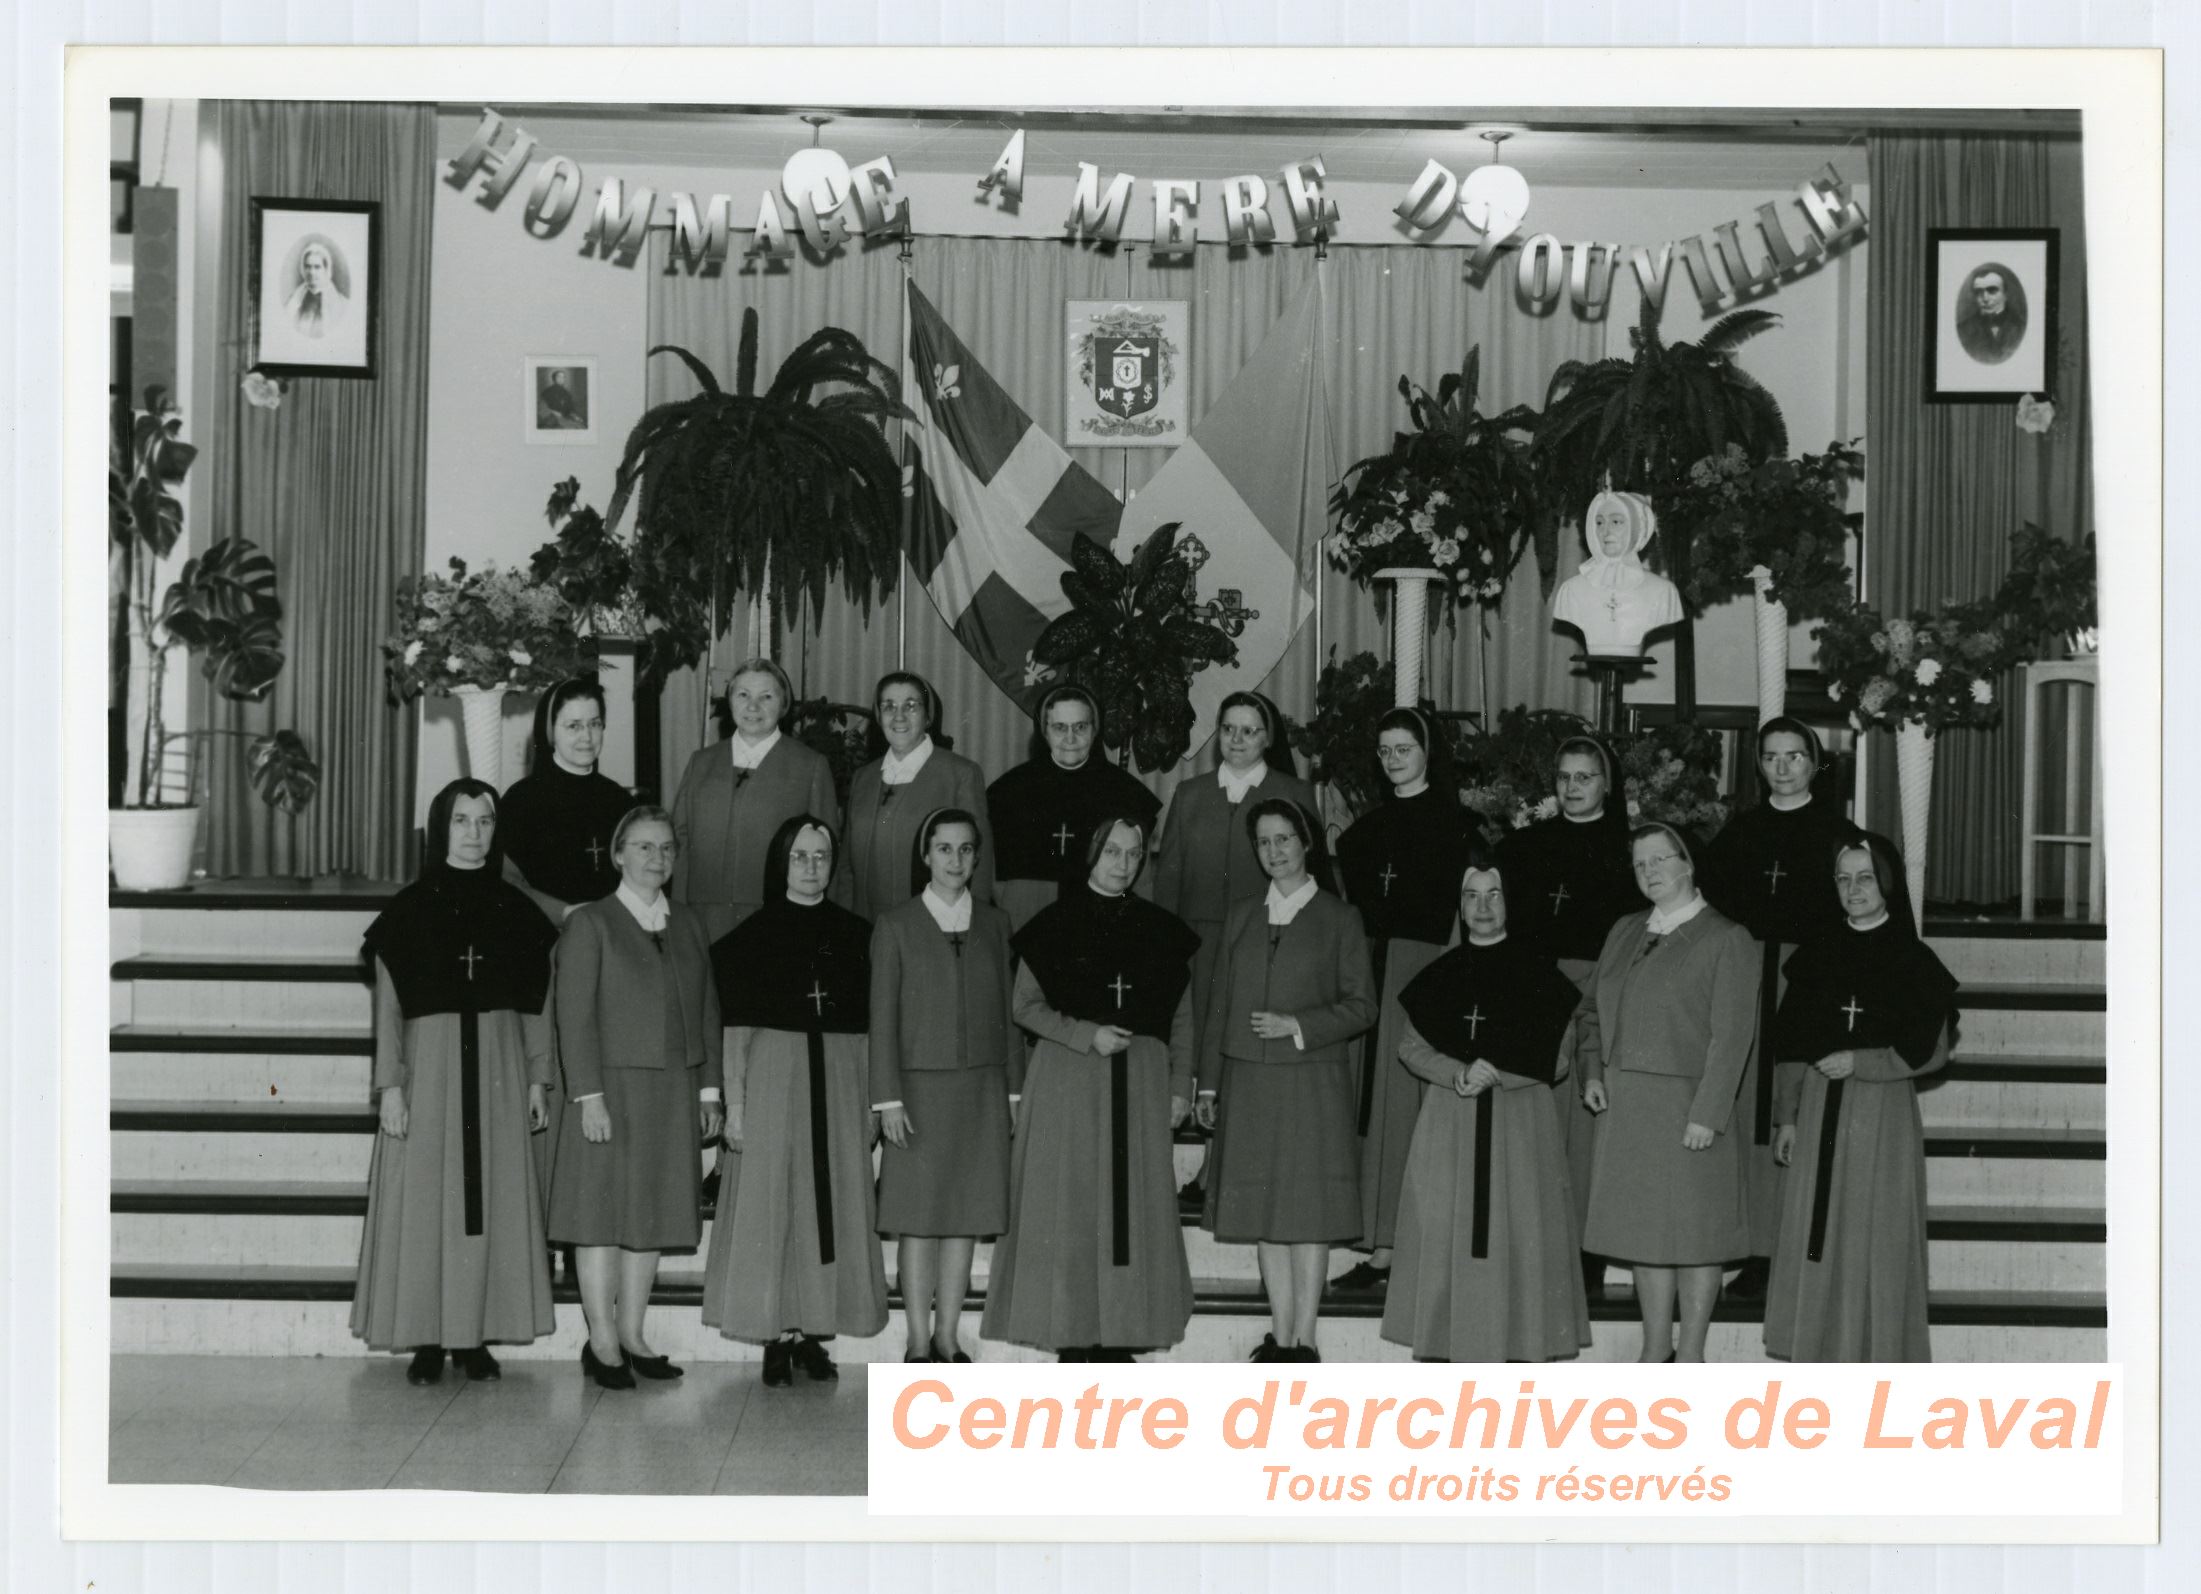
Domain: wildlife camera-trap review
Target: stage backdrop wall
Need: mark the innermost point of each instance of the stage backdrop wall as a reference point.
(499, 293)
(330, 484)
(1949, 483)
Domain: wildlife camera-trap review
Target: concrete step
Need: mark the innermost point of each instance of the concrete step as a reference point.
(207, 922)
(2009, 953)
(276, 1141)
(303, 1312)
(216, 1077)
(2016, 1093)
(2033, 1020)
(2015, 1168)
(207, 1003)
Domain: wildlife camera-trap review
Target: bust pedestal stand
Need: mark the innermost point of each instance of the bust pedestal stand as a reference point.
(1612, 672)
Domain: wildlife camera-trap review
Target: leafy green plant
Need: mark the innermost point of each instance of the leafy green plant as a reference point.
(2050, 590)
(499, 630)
(741, 490)
(1457, 493)
(1639, 424)
(587, 566)
(1937, 667)
(840, 731)
(1132, 640)
(1786, 515)
(222, 606)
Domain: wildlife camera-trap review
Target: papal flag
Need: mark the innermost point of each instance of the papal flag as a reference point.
(995, 503)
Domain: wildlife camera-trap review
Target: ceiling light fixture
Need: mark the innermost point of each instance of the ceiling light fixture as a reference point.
(816, 176)
(1494, 198)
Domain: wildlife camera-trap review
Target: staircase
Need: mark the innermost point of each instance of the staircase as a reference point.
(242, 1127)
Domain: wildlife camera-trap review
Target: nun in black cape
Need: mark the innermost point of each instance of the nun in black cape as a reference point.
(1093, 1264)
(1767, 870)
(453, 1252)
(1486, 1266)
(1867, 1012)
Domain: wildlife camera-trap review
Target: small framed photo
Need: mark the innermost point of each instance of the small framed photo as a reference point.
(316, 286)
(1990, 314)
(557, 399)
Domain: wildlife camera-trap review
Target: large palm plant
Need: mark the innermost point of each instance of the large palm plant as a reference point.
(782, 490)
(1639, 424)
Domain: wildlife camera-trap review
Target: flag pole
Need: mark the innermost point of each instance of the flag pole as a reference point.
(1321, 277)
(901, 585)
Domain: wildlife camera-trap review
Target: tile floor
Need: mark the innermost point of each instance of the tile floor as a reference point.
(354, 1423)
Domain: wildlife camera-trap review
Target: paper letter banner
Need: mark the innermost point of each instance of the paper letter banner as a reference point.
(1127, 378)
(995, 503)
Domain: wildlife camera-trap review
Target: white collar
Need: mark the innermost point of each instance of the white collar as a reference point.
(1788, 805)
(1421, 785)
(1493, 941)
(896, 770)
(953, 919)
(1235, 786)
(748, 757)
(1283, 909)
(1861, 926)
(1665, 923)
(1583, 819)
(570, 769)
(650, 915)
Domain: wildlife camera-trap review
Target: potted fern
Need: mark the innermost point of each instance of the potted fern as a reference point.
(221, 607)
(769, 493)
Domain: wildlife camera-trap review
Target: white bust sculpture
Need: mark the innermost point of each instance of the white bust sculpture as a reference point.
(1612, 600)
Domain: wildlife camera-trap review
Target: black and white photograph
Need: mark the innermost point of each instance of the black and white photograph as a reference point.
(1994, 313)
(1558, 820)
(314, 286)
(557, 399)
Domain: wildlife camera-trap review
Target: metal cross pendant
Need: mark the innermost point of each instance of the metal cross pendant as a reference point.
(1852, 1010)
(595, 853)
(470, 958)
(1558, 899)
(1773, 879)
(1062, 839)
(1122, 985)
(818, 994)
(1389, 874)
(1474, 1020)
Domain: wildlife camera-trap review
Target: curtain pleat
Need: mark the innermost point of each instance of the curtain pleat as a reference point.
(1386, 313)
(1948, 483)
(331, 485)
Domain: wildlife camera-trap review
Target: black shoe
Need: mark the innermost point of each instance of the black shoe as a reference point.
(710, 1192)
(1593, 1276)
(427, 1366)
(1074, 1353)
(1303, 1353)
(1192, 1199)
(1269, 1351)
(779, 1364)
(1750, 1283)
(607, 1375)
(659, 1368)
(1363, 1278)
(959, 1356)
(477, 1364)
(810, 1356)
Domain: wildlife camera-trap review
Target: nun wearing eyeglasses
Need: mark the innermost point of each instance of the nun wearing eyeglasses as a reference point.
(891, 796)
(1767, 870)
(1663, 1036)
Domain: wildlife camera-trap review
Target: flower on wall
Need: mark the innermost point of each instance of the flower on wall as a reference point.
(2036, 413)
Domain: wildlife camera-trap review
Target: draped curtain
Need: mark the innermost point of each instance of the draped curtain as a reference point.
(331, 485)
(1949, 483)
(1387, 312)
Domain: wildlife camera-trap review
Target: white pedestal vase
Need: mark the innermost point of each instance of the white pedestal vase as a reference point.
(481, 708)
(151, 847)
(1409, 631)
(1772, 617)
(1914, 779)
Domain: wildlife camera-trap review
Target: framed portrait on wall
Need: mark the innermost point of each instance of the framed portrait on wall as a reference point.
(1990, 314)
(557, 399)
(315, 286)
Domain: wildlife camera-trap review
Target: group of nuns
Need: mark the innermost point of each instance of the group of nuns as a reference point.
(965, 1012)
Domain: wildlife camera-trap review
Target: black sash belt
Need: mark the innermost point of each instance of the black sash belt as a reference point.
(1769, 1001)
(1480, 1246)
(1379, 951)
(1830, 1132)
(1119, 1158)
(821, 1160)
(470, 1115)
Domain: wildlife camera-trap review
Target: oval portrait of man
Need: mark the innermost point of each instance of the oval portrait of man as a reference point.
(1991, 314)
